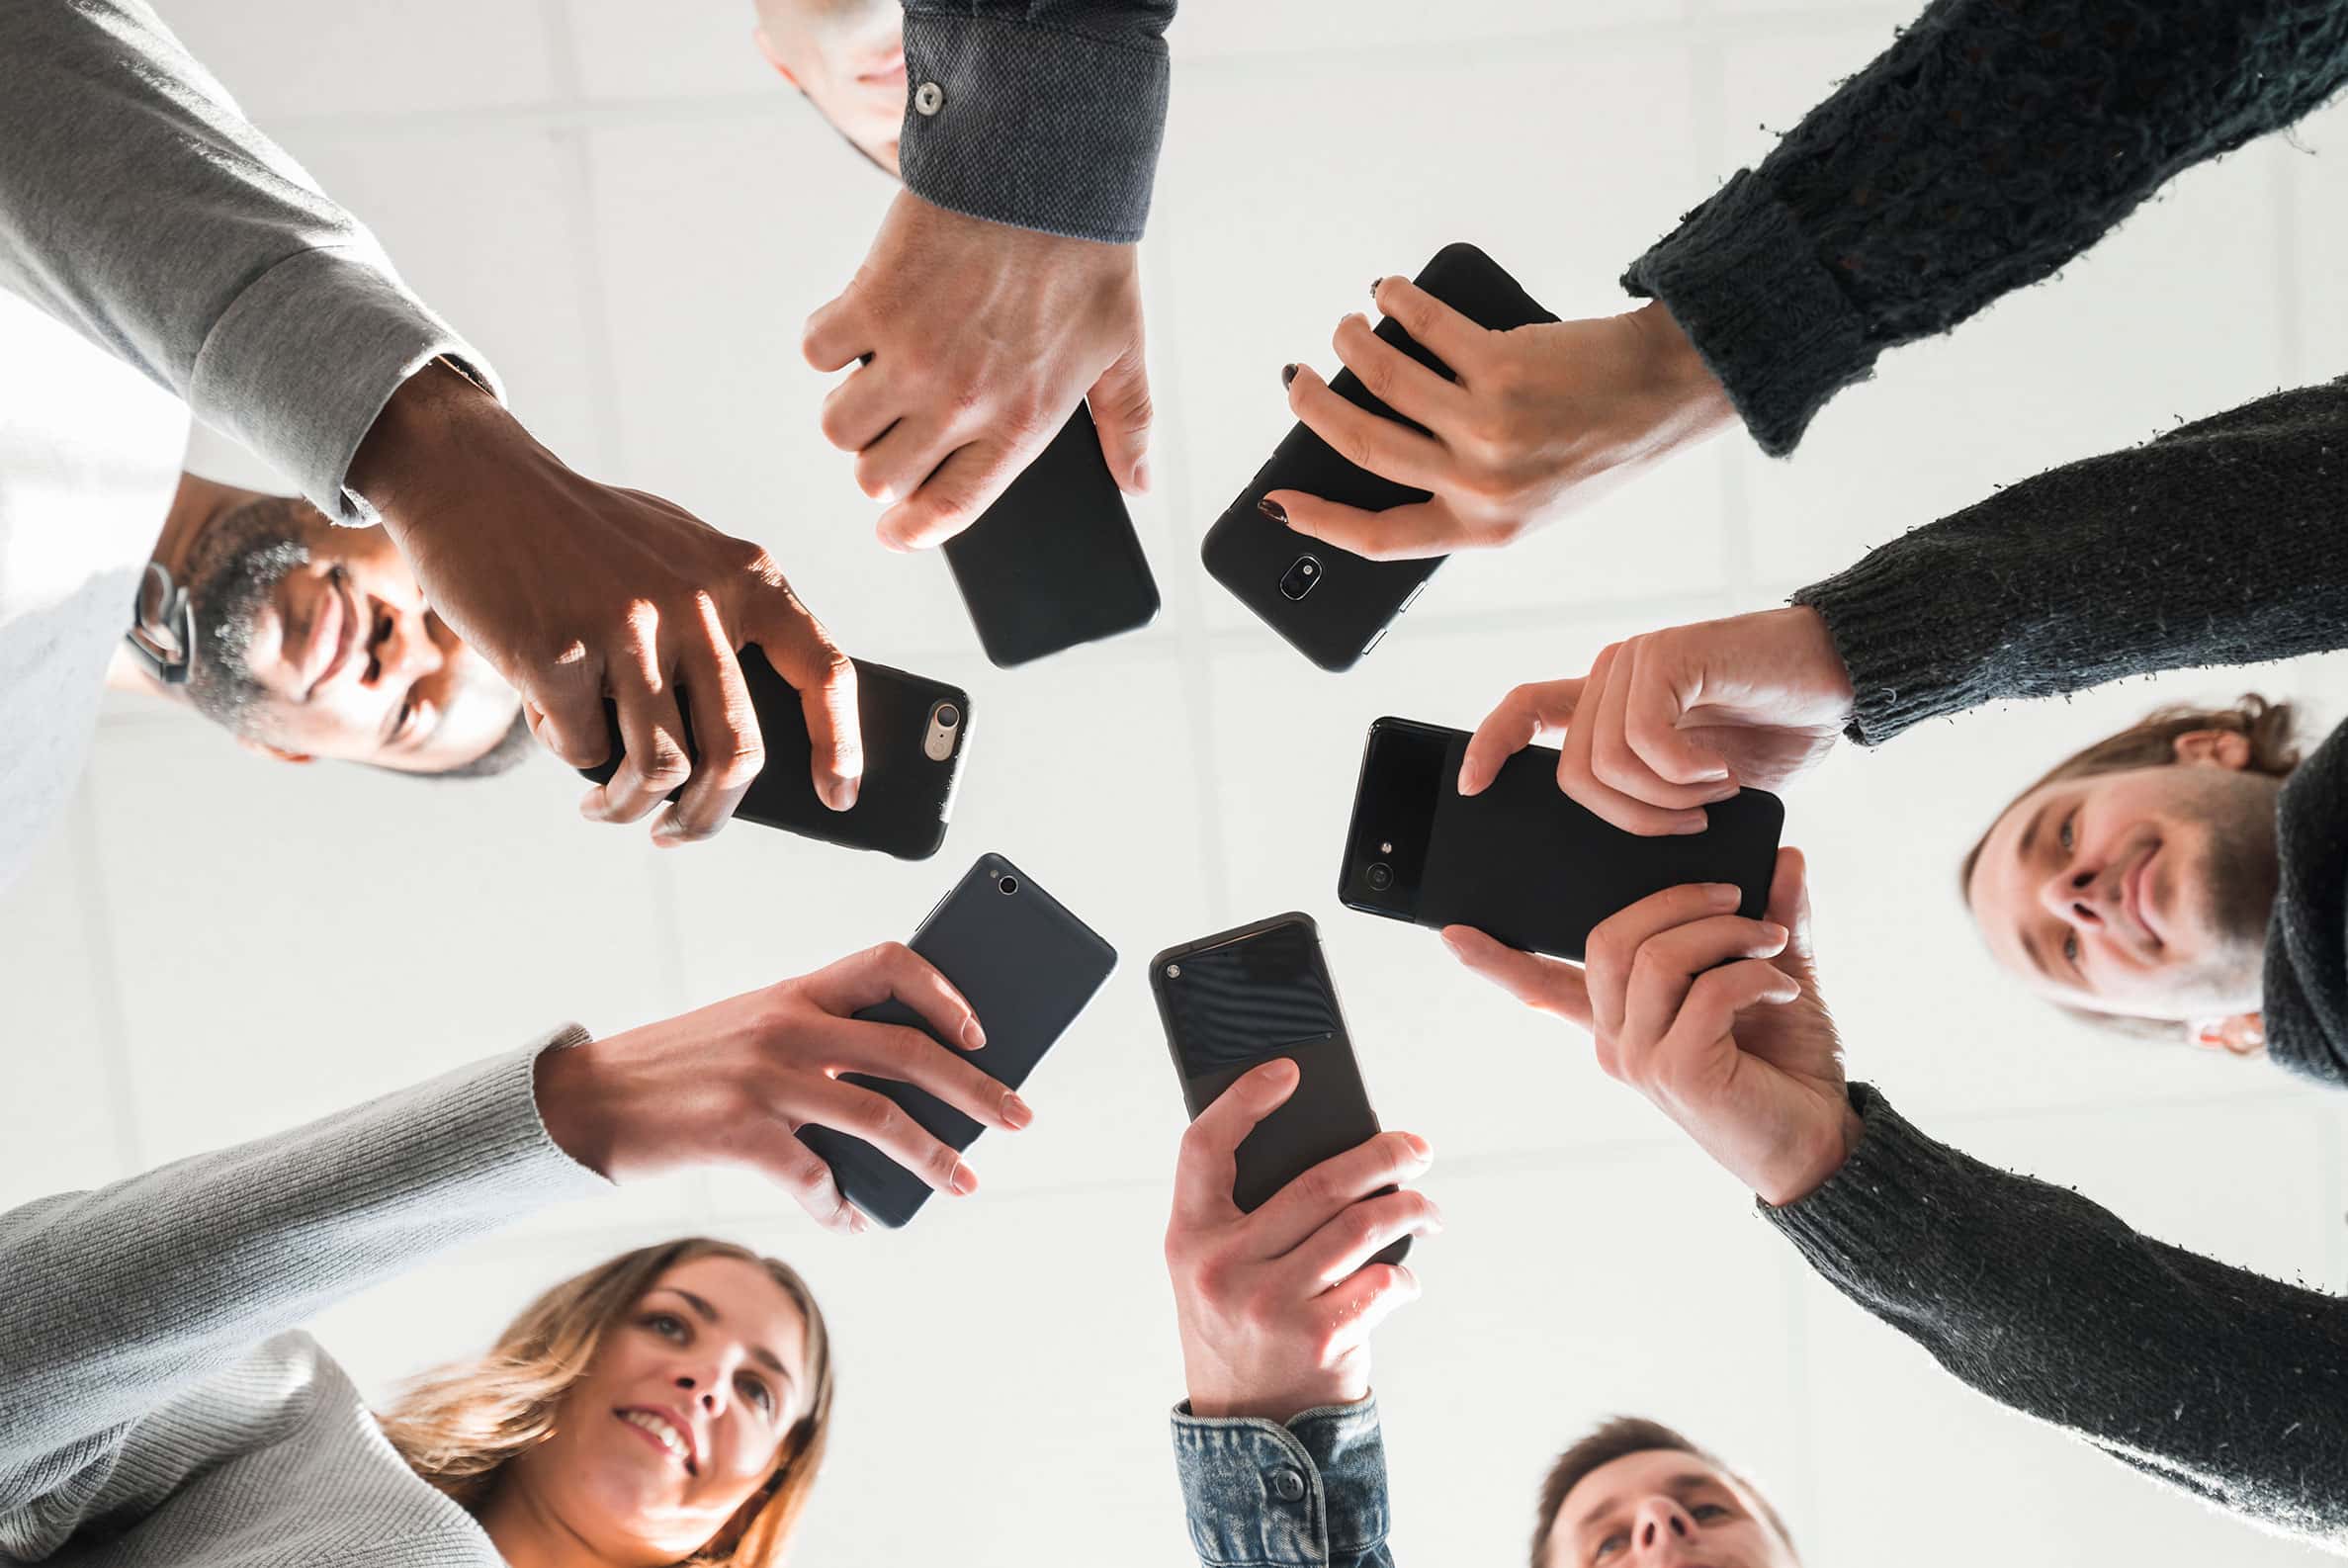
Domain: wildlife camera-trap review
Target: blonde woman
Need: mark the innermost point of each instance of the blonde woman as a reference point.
(157, 1403)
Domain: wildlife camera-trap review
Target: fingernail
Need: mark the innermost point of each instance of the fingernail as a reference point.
(1273, 510)
(1775, 933)
(966, 1181)
(1695, 824)
(1449, 940)
(1288, 375)
(973, 1037)
(1141, 475)
(591, 809)
(1728, 791)
(1435, 1221)
(1419, 1148)
(1727, 895)
(842, 794)
(1282, 1070)
(857, 1223)
(1017, 1112)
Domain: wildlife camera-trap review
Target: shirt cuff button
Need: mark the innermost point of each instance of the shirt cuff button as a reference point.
(1287, 1484)
(930, 98)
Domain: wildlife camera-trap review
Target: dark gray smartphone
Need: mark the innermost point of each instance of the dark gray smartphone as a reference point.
(1026, 967)
(1055, 562)
(1522, 861)
(1332, 605)
(1241, 998)
(915, 730)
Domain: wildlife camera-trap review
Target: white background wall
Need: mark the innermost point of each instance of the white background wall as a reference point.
(631, 216)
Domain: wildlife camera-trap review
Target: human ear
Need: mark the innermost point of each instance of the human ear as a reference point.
(2244, 1034)
(773, 55)
(2224, 748)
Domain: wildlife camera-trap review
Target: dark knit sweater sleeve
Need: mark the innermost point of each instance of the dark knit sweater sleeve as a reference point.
(2218, 544)
(2224, 1383)
(1991, 143)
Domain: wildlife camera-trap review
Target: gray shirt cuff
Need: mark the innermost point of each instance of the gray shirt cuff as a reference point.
(1038, 126)
(303, 361)
(1301, 1494)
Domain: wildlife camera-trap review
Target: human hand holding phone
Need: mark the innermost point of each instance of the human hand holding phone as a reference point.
(1276, 1306)
(734, 1084)
(577, 591)
(977, 339)
(1668, 723)
(1715, 1018)
(1540, 419)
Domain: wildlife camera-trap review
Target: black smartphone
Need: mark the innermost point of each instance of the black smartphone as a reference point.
(915, 732)
(1332, 605)
(1522, 862)
(1055, 562)
(1237, 999)
(1026, 967)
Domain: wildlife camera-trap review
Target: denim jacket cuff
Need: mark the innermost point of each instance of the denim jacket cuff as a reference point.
(1260, 1494)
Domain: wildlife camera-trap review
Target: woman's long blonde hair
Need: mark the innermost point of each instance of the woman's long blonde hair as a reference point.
(458, 1427)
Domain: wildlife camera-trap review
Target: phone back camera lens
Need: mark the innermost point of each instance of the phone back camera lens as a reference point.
(1298, 580)
(948, 716)
(1380, 877)
(1008, 884)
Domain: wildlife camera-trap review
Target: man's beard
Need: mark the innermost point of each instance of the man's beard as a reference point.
(241, 560)
(2243, 873)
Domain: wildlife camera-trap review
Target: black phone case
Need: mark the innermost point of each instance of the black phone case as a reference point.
(904, 798)
(1055, 562)
(1353, 599)
(1330, 1111)
(1526, 864)
(1026, 966)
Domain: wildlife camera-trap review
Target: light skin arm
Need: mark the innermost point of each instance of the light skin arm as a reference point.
(1670, 722)
(1276, 1307)
(1538, 421)
(1715, 1018)
(973, 343)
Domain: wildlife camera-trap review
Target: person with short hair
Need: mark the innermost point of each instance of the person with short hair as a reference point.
(1633, 1491)
(307, 641)
(671, 1406)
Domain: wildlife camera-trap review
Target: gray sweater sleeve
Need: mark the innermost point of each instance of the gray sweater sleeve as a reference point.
(1993, 141)
(114, 1301)
(1042, 114)
(2224, 1383)
(140, 208)
(2218, 544)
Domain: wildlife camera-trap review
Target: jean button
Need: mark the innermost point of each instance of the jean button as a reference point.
(1287, 1484)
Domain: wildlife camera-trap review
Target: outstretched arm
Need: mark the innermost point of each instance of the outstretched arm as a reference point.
(1990, 144)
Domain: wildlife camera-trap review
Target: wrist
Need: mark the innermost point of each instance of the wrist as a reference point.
(438, 420)
(572, 1103)
(1831, 1154)
(1699, 404)
(1805, 633)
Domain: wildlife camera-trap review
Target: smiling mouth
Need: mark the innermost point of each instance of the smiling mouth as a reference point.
(2131, 899)
(337, 597)
(662, 1433)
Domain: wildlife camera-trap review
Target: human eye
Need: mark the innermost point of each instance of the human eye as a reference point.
(1704, 1512)
(407, 714)
(759, 1394)
(2070, 948)
(1611, 1546)
(2067, 837)
(667, 1324)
